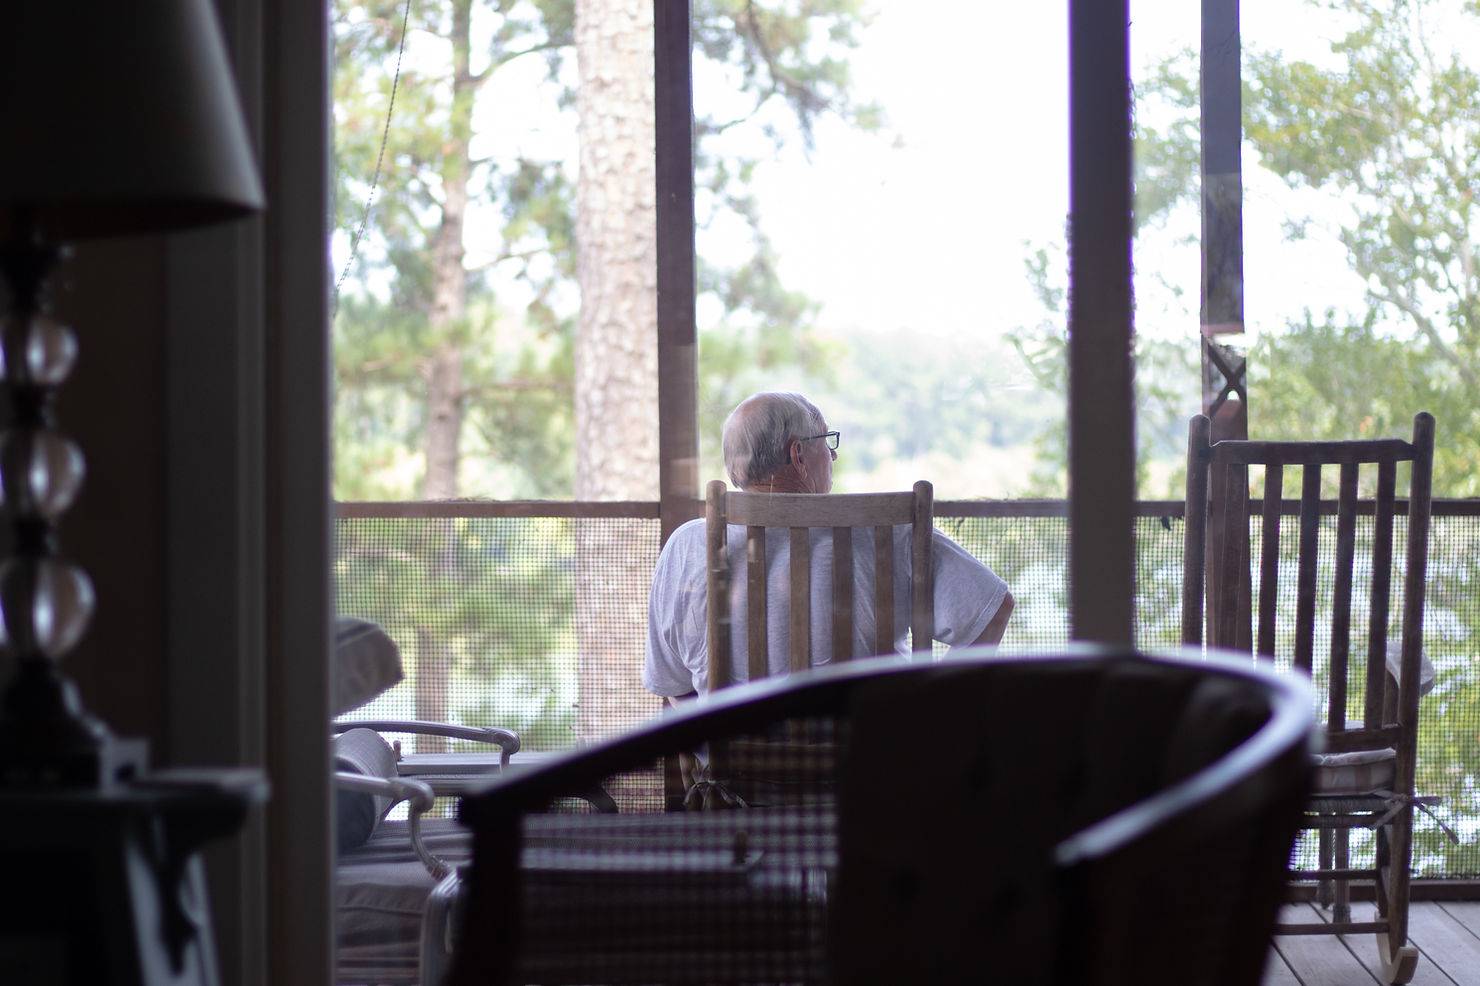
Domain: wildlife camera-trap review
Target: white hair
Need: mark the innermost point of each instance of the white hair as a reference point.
(759, 430)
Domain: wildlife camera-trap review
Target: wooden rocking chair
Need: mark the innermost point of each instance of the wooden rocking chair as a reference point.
(1365, 778)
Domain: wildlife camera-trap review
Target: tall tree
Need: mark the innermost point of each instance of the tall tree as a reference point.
(469, 223)
(476, 239)
(422, 338)
(616, 386)
(424, 324)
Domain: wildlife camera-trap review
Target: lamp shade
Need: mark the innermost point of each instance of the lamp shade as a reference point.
(120, 118)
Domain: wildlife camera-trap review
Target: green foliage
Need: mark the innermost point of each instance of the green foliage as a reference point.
(1396, 131)
(453, 583)
(455, 328)
(1450, 714)
(1167, 377)
(1390, 129)
(795, 56)
(392, 317)
(1167, 139)
(785, 66)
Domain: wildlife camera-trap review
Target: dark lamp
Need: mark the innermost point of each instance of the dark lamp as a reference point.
(122, 119)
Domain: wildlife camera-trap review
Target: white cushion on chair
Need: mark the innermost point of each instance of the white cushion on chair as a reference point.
(1359, 772)
(364, 752)
(1425, 666)
(366, 663)
(1367, 771)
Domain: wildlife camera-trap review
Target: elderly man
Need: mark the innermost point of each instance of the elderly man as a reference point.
(780, 443)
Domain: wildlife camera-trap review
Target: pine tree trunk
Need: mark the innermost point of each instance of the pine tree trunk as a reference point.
(442, 369)
(443, 372)
(616, 359)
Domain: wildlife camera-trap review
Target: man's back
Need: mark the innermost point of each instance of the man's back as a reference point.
(967, 595)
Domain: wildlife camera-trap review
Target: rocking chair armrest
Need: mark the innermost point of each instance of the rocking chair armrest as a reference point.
(505, 739)
(418, 797)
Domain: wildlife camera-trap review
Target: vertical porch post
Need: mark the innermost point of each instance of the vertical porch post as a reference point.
(678, 386)
(678, 374)
(1101, 401)
(1225, 397)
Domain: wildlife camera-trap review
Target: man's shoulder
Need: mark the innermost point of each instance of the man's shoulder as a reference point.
(682, 568)
(686, 541)
(950, 555)
(688, 531)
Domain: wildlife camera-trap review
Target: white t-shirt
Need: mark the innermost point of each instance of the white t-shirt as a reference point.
(967, 596)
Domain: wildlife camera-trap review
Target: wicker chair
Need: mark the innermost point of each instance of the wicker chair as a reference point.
(1093, 818)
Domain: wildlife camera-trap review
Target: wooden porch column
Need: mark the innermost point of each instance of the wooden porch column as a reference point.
(1102, 453)
(1225, 396)
(1222, 174)
(678, 350)
(678, 382)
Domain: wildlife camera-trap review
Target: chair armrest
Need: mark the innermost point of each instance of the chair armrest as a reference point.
(505, 739)
(418, 797)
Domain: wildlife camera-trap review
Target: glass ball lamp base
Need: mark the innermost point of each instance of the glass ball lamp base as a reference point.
(46, 738)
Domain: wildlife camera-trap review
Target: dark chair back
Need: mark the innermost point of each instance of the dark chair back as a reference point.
(1053, 820)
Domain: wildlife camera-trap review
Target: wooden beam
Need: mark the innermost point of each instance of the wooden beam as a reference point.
(1224, 393)
(1222, 174)
(678, 381)
(1101, 397)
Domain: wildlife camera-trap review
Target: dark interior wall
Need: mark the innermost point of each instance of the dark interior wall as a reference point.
(200, 402)
(113, 295)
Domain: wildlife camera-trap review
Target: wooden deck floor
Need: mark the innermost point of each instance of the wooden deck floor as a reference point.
(1447, 934)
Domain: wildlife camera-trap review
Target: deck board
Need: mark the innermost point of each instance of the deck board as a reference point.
(1277, 972)
(1428, 972)
(1466, 912)
(1447, 935)
(1318, 960)
(1452, 943)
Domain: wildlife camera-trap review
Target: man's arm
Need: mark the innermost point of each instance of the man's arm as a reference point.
(992, 635)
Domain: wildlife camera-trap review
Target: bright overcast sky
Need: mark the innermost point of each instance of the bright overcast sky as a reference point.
(925, 230)
(929, 236)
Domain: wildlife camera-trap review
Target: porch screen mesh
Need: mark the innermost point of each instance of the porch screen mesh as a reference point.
(538, 624)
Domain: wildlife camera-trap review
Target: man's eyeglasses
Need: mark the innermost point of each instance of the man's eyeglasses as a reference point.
(831, 436)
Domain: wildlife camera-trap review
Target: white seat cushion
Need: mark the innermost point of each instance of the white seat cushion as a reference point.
(1360, 772)
(366, 663)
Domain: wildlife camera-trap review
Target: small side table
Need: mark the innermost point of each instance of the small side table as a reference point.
(105, 885)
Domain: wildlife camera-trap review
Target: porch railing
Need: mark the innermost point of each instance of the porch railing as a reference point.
(532, 614)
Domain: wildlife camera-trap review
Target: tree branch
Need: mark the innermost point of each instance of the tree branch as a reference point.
(517, 255)
(1426, 326)
(507, 57)
(806, 98)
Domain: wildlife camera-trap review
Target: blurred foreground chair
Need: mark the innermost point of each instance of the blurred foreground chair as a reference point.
(1369, 686)
(1090, 819)
(395, 879)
